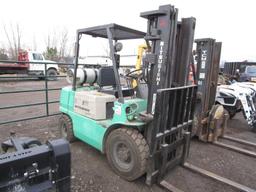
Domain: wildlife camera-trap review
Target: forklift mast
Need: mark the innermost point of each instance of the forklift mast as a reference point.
(184, 45)
(171, 45)
(207, 58)
(161, 31)
(170, 101)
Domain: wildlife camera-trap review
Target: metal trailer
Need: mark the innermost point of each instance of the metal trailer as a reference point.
(27, 165)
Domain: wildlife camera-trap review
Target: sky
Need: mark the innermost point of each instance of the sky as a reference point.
(231, 22)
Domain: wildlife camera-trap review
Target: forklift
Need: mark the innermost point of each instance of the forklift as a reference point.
(141, 131)
(211, 118)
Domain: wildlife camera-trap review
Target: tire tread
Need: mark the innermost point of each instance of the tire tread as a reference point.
(70, 134)
(141, 145)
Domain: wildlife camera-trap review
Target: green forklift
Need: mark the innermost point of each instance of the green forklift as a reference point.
(144, 129)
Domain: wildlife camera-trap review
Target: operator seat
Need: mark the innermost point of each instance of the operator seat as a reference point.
(107, 83)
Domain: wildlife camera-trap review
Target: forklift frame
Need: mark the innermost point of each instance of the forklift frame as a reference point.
(170, 42)
(112, 32)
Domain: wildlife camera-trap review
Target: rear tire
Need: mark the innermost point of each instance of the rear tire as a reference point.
(52, 74)
(127, 153)
(66, 128)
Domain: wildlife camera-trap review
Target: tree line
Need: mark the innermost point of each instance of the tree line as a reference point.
(58, 46)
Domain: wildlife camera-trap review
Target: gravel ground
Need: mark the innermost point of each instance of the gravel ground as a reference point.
(90, 170)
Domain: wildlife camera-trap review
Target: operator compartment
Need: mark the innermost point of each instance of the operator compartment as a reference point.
(94, 104)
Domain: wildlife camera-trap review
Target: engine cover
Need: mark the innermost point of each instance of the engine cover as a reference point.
(94, 104)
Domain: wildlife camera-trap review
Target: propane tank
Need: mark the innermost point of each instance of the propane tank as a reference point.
(86, 75)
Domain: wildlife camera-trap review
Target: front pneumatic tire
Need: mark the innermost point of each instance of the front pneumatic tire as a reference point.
(66, 128)
(127, 153)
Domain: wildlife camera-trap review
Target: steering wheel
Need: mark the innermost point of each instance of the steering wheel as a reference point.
(132, 75)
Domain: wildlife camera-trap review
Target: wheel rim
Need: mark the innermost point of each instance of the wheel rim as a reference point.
(123, 156)
(51, 75)
(64, 130)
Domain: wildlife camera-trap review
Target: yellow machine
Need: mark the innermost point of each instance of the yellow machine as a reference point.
(141, 50)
